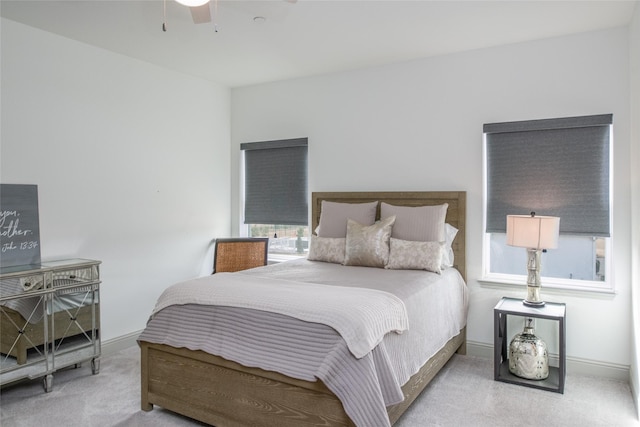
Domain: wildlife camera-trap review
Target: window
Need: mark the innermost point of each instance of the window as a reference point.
(558, 167)
(276, 202)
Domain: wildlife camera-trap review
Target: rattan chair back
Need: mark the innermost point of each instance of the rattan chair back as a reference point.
(240, 253)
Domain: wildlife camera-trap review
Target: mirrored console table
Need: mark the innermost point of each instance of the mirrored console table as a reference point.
(49, 319)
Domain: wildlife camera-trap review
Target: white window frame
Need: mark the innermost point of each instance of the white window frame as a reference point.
(555, 283)
(244, 229)
(552, 284)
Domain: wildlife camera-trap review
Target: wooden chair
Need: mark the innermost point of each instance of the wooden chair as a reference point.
(240, 253)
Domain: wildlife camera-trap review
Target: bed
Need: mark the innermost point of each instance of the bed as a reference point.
(204, 385)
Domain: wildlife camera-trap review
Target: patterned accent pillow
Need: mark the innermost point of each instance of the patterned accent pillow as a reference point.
(326, 249)
(407, 255)
(368, 245)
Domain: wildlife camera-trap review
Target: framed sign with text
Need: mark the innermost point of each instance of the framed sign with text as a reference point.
(19, 225)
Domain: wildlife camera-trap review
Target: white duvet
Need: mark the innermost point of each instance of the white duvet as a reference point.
(362, 316)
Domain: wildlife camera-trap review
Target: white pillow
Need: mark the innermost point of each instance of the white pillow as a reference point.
(408, 255)
(447, 254)
(326, 249)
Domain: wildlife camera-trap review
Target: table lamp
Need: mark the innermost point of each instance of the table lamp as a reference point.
(535, 233)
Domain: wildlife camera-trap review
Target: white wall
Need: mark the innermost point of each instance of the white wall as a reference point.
(634, 53)
(418, 126)
(132, 160)
(131, 163)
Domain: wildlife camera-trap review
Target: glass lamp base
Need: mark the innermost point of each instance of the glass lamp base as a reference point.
(533, 296)
(533, 303)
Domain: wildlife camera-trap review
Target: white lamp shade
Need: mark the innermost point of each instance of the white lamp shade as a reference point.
(535, 232)
(193, 3)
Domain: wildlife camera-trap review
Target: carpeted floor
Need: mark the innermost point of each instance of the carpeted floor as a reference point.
(463, 394)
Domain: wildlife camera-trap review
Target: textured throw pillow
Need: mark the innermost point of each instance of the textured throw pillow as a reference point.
(368, 245)
(326, 249)
(334, 216)
(447, 254)
(407, 255)
(417, 223)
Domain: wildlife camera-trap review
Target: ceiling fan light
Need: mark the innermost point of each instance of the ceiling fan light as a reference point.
(193, 3)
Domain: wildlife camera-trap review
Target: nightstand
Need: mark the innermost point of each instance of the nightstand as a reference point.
(514, 307)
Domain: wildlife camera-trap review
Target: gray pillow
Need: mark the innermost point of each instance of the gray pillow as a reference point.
(368, 245)
(417, 223)
(334, 216)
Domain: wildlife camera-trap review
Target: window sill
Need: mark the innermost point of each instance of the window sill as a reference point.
(587, 289)
(278, 258)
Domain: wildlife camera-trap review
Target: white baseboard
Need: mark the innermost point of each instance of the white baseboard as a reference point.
(575, 365)
(117, 344)
(633, 384)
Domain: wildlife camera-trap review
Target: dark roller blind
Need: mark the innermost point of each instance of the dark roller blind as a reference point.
(276, 182)
(558, 167)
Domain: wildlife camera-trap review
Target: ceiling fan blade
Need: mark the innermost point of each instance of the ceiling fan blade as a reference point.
(201, 14)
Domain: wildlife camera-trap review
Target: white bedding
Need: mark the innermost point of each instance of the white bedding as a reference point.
(362, 316)
(436, 304)
(436, 307)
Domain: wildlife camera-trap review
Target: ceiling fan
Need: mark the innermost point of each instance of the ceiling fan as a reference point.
(199, 10)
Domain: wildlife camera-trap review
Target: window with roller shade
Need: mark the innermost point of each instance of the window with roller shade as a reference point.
(276, 197)
(558, 167)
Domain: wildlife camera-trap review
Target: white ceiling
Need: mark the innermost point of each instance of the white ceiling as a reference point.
(308, 37)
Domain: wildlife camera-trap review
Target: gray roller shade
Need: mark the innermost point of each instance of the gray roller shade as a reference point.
(558, 167)
(276, 182)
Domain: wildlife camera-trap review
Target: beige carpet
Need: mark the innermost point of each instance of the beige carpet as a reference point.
(463, 394)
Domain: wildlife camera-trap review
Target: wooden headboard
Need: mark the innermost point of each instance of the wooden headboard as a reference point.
(456, 213)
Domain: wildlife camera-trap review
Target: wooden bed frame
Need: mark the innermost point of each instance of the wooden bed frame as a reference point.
(219, 392)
